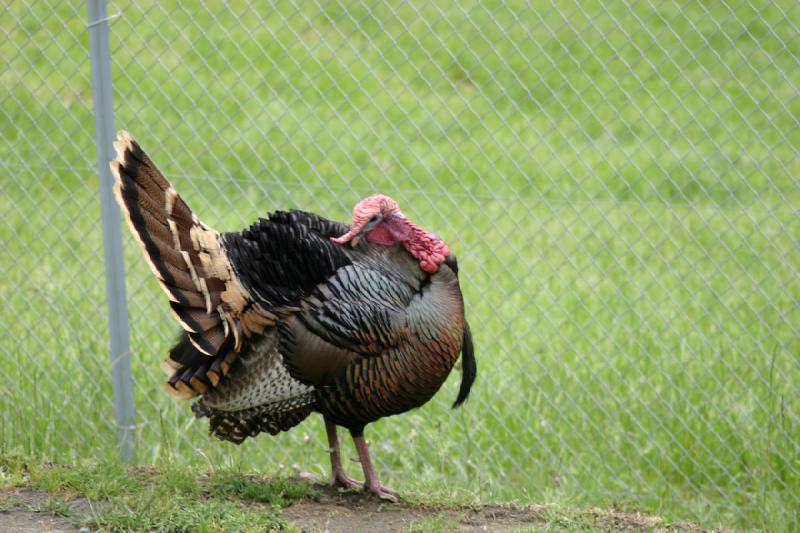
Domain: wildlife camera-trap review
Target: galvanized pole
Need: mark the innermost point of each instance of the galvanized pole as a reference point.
(112, 236)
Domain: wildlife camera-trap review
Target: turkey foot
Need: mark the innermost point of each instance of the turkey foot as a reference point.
(382, 492)
(339, 477)
(371, 483)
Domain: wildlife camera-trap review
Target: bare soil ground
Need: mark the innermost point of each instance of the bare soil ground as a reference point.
(26, 511)
(332, 511)
(339, 512)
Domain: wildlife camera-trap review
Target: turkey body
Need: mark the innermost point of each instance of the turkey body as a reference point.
(376, 338)
(299, 314)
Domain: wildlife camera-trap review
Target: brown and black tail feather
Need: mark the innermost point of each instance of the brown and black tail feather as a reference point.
(168, 232)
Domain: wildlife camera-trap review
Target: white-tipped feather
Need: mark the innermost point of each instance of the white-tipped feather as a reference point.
(224, 317)
(176, 239)
(199, 348)
(180, 320)
(190, 268)
(206, 295)
(170, 197)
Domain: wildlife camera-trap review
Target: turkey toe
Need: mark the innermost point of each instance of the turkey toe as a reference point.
(383, 493)
(344, 481)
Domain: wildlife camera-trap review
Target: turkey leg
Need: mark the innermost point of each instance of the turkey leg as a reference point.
(338, 476)
(371, 483)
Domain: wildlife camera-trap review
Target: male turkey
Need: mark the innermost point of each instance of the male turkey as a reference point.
(299, 313)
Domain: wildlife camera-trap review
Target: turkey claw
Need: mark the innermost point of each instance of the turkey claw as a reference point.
(383, 493)
(345, 482)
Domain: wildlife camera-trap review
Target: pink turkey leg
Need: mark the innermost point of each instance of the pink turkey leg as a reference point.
(338, 476)
(371, 483)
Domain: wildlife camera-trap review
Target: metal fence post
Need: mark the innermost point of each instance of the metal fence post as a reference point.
(112, 236)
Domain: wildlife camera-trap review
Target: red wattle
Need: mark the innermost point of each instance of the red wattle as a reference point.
(430, 251)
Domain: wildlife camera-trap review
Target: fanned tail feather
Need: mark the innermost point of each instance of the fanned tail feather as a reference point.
(186, 257)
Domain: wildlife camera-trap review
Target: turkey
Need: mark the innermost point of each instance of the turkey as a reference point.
(299, 314)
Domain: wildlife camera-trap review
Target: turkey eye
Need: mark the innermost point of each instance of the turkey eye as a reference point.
(374, 218)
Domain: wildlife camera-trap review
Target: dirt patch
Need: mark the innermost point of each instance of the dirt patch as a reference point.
(334, 511)
(35, 512)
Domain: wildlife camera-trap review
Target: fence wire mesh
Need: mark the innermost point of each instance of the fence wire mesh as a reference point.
(618, 181)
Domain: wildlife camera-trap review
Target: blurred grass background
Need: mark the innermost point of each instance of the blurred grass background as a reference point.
(619, 183)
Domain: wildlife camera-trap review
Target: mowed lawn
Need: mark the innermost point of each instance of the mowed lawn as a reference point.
(619, 183)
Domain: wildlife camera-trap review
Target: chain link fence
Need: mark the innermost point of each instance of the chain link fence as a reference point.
(619, 182)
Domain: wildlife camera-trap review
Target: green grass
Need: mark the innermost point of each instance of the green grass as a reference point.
(169, 498)
(619, 182)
